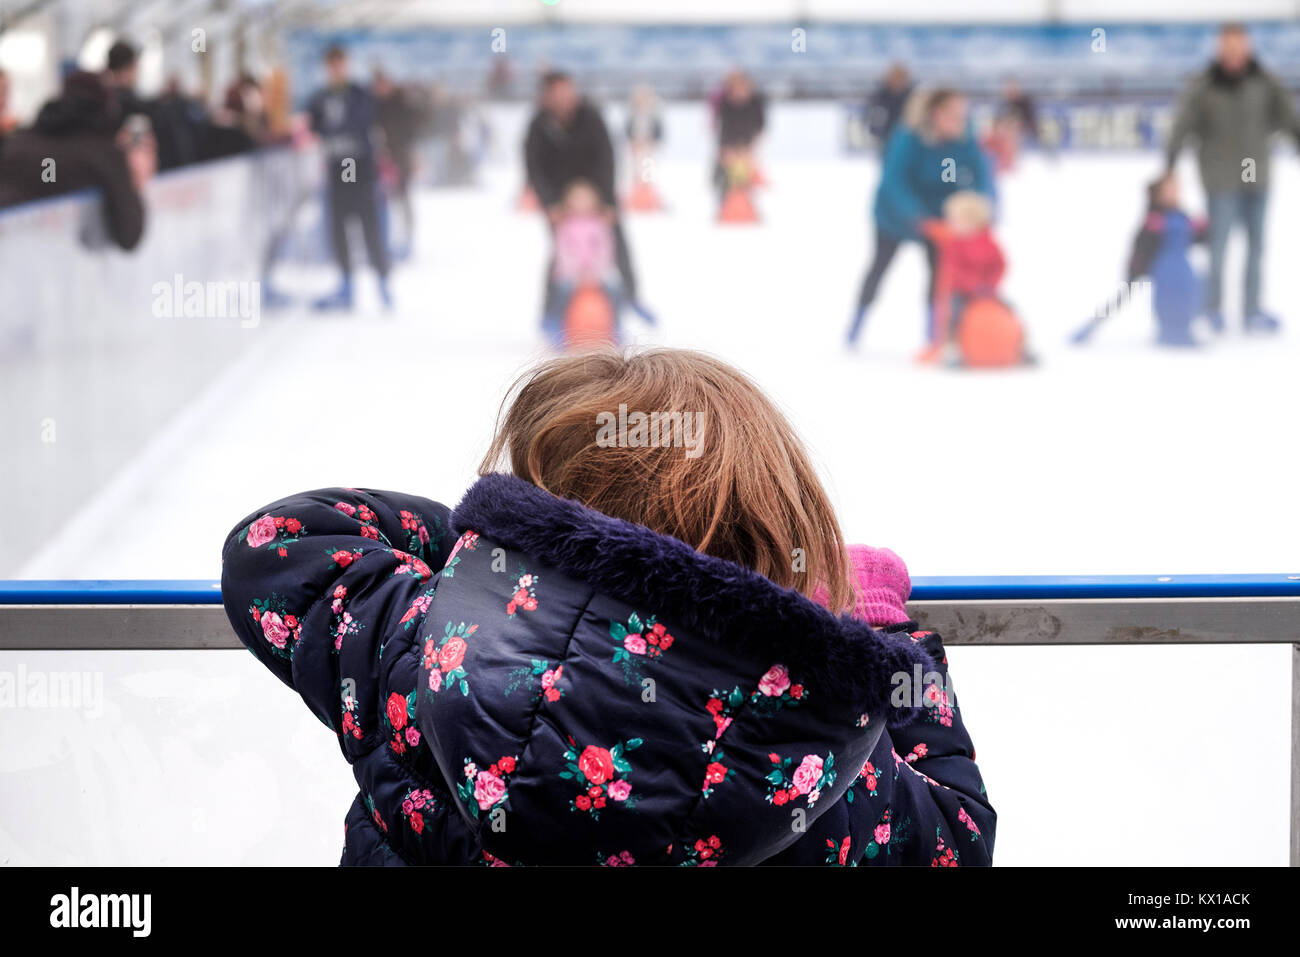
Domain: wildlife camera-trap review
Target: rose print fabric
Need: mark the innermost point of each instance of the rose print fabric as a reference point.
(507, 699)
(918, 800)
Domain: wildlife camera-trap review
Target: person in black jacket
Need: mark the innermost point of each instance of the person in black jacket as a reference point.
(119, 76)
(567, 141)
(343, 116)
(1020, 105)
(396, 117)
(73, 146)
(740, 119)
(885, 107)
(8, 122)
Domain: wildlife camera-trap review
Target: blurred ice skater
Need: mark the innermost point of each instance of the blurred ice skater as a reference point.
(740, 118)
(645, 132)
(567, 141)
(1232, 109)
(932, 154)
(885, 108)
(397, 119)
(343, 116)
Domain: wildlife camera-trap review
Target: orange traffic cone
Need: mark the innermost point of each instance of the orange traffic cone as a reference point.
(589, 320)
(990, 335)
(643, 198)
(528, 202)
(737, 207)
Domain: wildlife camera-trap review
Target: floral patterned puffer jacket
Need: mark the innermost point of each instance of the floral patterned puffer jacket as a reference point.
(529, 681)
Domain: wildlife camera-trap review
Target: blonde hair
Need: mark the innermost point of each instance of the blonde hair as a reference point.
(968, 207)
(748, 494)
(579, 189)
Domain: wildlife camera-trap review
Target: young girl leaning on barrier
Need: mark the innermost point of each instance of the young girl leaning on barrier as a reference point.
(614, 652)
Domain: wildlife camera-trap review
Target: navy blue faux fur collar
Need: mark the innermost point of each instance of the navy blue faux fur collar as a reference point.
(847, 660)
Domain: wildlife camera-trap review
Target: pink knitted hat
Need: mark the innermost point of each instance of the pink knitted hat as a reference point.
(883, 586)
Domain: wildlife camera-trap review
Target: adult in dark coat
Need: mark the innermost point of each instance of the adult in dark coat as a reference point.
(1232, 110)
(73, 146)
(740, 116)
(120, 74)
(397, 118)
(567, 140)
(178, 125)
(343, 116)
(742, 113)
(8, 122)
(885, 108)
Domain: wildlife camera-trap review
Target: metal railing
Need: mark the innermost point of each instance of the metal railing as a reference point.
(1113, 610)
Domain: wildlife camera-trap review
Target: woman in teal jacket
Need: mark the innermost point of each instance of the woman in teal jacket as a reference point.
(926, 160)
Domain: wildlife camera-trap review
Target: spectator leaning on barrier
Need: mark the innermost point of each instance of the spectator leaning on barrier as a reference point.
(73, 145)
(1232, 110)
(609, 657)
(178, 124)
(8, 122)
(120, 73)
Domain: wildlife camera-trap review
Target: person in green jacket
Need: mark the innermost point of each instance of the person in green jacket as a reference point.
(1232, 109)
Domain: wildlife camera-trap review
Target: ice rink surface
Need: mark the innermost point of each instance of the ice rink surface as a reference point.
(1116, 458)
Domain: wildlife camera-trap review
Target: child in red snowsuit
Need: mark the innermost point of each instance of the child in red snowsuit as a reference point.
(970, 264)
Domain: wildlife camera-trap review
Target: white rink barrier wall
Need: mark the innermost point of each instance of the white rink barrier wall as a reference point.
(101, 346)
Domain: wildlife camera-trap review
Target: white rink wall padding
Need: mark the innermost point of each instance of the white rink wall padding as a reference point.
(1110, 460)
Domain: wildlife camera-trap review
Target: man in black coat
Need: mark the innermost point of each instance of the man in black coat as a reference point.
(343, 116)
(885, 108)
(741, 115)
(73, 146)
(567, 141)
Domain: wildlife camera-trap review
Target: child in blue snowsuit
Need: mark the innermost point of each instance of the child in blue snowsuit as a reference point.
(1160, 252)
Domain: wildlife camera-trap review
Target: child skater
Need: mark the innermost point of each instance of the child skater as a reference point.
(604, 654)
(645, 133)
(1160, 252)
(969, 265)
(585, 255)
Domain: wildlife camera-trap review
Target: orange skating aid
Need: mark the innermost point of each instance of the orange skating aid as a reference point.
(737, 207)
(990, 335)
(589, 320)
(643, 198)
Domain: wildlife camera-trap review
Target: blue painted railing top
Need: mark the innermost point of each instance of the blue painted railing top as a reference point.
(936, 588)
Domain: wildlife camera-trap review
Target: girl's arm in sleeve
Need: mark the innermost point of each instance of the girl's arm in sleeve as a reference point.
(314, 584)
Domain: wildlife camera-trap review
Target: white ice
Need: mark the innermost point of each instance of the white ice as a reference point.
(1117, 458)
